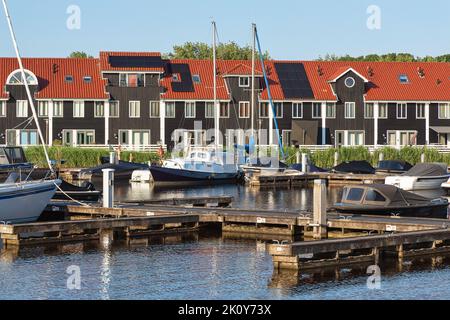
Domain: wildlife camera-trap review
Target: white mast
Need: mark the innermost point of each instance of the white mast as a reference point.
(27, 88)
(216, 105)
(253, 79)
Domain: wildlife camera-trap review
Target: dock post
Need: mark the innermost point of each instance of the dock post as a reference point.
(320, 209)
(112, 157)
(336, 158)
(108, 188)
(381, 156)
(422, 158)
(297, 157)
(304, 163)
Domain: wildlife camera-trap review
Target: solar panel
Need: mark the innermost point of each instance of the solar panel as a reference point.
(294, 81)
(135, 62)
(185, 84)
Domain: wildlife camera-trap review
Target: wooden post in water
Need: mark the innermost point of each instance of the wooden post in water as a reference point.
(320, 209)
(304, 163)
(108, 188)
(336, 158)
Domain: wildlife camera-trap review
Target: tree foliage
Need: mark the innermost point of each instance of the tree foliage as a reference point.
(389, 57)
(80, 54)
(204, 51)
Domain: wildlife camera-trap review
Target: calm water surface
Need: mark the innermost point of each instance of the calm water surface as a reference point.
(205, 265)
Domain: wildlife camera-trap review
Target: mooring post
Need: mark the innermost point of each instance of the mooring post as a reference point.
(336, 158)
(381, 156)
(422, 158)
(320, 209)
(112, 157)
(304, 163)
(297, 157)
(108, 188)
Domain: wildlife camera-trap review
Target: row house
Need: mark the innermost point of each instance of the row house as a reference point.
(140, 99)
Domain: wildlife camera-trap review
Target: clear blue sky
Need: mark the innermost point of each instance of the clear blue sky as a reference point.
(289, 29)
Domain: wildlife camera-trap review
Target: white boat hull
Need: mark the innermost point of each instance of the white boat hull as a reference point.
(24, 202)
(411, 183)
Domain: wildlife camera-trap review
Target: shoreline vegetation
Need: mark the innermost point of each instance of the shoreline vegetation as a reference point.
(86, 158)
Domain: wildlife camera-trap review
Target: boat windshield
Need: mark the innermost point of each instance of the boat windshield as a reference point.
(373, 195)
(354, 194)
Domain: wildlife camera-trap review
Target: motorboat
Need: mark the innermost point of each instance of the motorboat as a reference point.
(382, 199)
(123, 170)
(24, 201)
(423, 176)
(85, 192)
(355, 167)
(393, 167)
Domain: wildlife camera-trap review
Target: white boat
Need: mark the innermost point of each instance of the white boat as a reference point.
(446, 185)
(423, 176)
(24, 201)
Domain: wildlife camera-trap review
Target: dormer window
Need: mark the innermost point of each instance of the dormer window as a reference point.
(244, 82)
(69, 78)
(87, 79)
(196, 78)
(176, 77)
(349, 82)
(403, 78)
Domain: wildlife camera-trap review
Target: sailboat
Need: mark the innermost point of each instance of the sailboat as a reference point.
(21, 200)
(206, 165)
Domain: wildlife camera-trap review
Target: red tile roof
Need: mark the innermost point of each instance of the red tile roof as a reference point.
(384, 84)
(106, 66)
(53, 85)
(240, 68)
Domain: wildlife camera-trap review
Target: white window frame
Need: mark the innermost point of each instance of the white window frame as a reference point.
(136, 109)
(446, 115)
(268, 110)
(209, 105)
(379, 110)
(278, 106)
(172, 107)
(297, 110)
(418, 107)
(398, 142)
(190, 114)
(102, 113)
(313, 115)
(58, 106)
(246, 106)
(2, 109)
(400, 114)
(245, 85)
(333, 105)
(157, 104)
(366, 106)
(43, 105)
(350, 113)
(111, 115)
(80, 105)
(228, 110)
(21, 108)
(347, 137)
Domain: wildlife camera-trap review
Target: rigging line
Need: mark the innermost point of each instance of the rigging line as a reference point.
(27, 122)
(27, 88)
(266, 80)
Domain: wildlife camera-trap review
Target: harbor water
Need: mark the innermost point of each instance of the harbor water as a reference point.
(205, 265)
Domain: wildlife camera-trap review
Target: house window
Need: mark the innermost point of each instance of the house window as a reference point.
(402, 111)
(58, 109)
(286, 137)
(244, 109)
(43, 108)
(420, 110)
(21, 137)
(15, 78)
(297, 110)
(176, 77)
(444, 111)
(401, 138)
(244, 82)
(170, 110)
(209, 110)
(349, 138)
(316, 110)
(134, 137)
(264, 110)
(382, 110)
(196, 78)
(134, 109)
(368, 110)
(331, 110)
(122, 79)
(2, 109)
(99, 109)
(87, 79)
(131, 80)
(278, 109)
(189, 109)
(403, 78)
(114, 109)
(349, 110)
(154, 109)
(22, 109)
(78, 109)
(69, 78)
(224, 110)
(349, 82)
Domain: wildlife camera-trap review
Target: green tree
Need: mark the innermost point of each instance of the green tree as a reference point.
(388, 57)
(203, 51)
(80, 54)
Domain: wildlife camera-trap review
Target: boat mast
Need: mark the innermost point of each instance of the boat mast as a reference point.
(216, 105)
(25, 82)
(253, 79)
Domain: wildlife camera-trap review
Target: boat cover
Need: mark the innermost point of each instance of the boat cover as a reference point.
(361, 167)
(394, 165)
(120, 167)
(312, 168)
(427, 170)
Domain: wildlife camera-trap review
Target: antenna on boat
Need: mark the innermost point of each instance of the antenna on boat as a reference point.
(27, 88)
(216, 105)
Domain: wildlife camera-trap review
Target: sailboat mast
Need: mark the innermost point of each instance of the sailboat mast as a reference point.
(253, 79)
(25, 82)
(216, 105)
